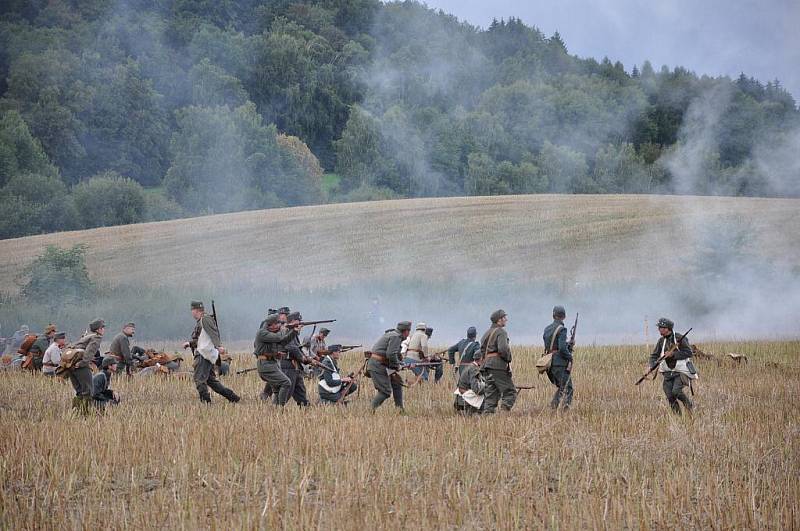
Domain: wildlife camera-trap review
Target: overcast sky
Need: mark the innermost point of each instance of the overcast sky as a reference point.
(758, 37)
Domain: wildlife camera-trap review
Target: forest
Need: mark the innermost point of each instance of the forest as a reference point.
(124, 111)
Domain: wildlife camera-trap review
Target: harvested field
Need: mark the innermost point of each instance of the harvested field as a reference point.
(617, 460)
(592, 237)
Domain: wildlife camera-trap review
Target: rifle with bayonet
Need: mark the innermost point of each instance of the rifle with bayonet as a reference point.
(664, 356)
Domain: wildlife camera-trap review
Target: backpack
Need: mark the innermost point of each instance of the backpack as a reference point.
(69, 358)
(24, 350)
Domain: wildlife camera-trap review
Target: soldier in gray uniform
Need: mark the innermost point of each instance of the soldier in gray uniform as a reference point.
(674, 368)
(466, 349)
(560, 372)
(101, 383)
(121, 348)
(204, 375)
(386, 357)
(80, 375)
(269, 345)
(497, 365)
(331, 384)
(41, 344)
(471, 387)
(292, 363)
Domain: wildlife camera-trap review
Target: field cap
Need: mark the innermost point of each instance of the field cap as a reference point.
(497, 315)
(197, 305)
(559, 311)
(665, 323)
(96, 325)
(403, 326)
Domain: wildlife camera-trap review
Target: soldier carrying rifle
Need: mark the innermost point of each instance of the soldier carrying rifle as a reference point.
(672, 355)
(384, 364)
(560, 371)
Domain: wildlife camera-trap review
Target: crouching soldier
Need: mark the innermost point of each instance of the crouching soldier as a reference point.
(676, 368)
(206, 348)
(384, 364)
(80, 372)
(101, 383)
(332, 386)
(471, 387)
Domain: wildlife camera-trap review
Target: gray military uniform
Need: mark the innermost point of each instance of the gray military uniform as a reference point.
(81, 375)
(267, 347)
(204, 375)
(675, 383)
(497, 370)
(121, 348)
(469, 378)
(558, 373)
(388, 349)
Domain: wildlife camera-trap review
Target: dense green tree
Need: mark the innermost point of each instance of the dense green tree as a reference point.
(109, 199)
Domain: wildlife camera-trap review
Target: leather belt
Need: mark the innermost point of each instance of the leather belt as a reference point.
(379, 358)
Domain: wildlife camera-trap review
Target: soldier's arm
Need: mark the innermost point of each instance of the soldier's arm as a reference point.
(563, 347)
(393, 351)
(502, 346)
(211, 329)
(451, 353)
(684, 350)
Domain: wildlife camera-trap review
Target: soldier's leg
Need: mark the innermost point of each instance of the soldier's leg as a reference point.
(381, 382)
(568, 390)
(216, 386)
(299, 392)
(681, 395)
(397, 391)
(353, 389)
(505, 385)
(669, 385)
(202, 368)
(81, 379)
(279, 383)
(491, 393)
(555, 376)
(438, 372)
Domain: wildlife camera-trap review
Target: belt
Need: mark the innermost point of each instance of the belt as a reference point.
(492, 355)
(379, 358)
(270, 357)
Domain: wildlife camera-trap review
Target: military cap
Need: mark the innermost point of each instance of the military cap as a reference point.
(271, 311)
(559, 311)
(294, 316)
(497, 315)
(429, 331)
(50, 329)
(421, 326)
(284, 309)
(61, 335)
(108, 361)
(472, 331)
(335, 348)
(324, 331)
(272, 319)
(197, 305)
(96, 325)
(665, 323)
(129, 325)
(403, 326)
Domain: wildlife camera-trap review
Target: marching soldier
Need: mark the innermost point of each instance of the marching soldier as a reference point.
(41, 345)
(80, 375)
(292, 364)
(560, 371)
(269, 347)
(385, 359)
(121, 348)
(331, 384)
(466, 350)
(496, 355)
(204, 375)
(676, 368)
(471, 387)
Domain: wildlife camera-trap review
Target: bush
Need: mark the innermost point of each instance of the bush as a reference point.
(58, 276)
(109, 199)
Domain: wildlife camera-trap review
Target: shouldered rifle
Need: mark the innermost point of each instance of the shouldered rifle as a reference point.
(664, 356)
(571, 341)
(214, 313)
(306, 323)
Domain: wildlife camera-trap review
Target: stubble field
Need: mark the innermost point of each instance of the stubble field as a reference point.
(617, 460)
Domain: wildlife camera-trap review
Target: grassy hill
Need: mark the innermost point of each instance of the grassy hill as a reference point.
(546, 237)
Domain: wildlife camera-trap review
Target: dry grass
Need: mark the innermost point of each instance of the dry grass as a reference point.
(617, 460)
(591, 237)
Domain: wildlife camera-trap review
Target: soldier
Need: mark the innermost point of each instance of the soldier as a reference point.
(52, 356)
(471, 387)
(283, 314)
(18, 337)
(560, 371)
(101, 383)
(496, 355)
(204, 375)
(80, 375)
(385, 359)
(268, 347)
(331, 383)
(39, 347)
(292, 364)
(316, 345)
(438, 369)
(417, 352)
(121, 348)
(676, 368)
(466, 350)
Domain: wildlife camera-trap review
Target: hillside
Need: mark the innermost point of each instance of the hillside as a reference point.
(578, 238)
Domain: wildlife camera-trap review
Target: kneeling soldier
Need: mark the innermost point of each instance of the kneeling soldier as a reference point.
(676, 368)
(204, 375)
(471, 387)
(331, 384)
(80, 374)
(497, 365)
(101, 383)
(385, 358)
(560, 371)
(268, 348)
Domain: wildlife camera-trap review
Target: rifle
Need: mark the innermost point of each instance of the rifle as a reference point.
(521, 387)
(571, 341)
(347, 348)
(353, 378)
(214, 313)
(243, 371)
(664, 356)
(305, 323)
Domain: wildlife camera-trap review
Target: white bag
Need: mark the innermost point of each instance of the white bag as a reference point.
(206, 348)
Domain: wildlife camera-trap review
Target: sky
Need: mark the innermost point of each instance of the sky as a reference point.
(715, 37)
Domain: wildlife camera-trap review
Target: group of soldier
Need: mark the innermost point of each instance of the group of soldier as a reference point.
(482, 367)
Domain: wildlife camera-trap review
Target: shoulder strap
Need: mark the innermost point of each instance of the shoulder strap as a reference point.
(553, 339)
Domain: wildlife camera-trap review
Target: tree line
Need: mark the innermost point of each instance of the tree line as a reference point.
(120, 111)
